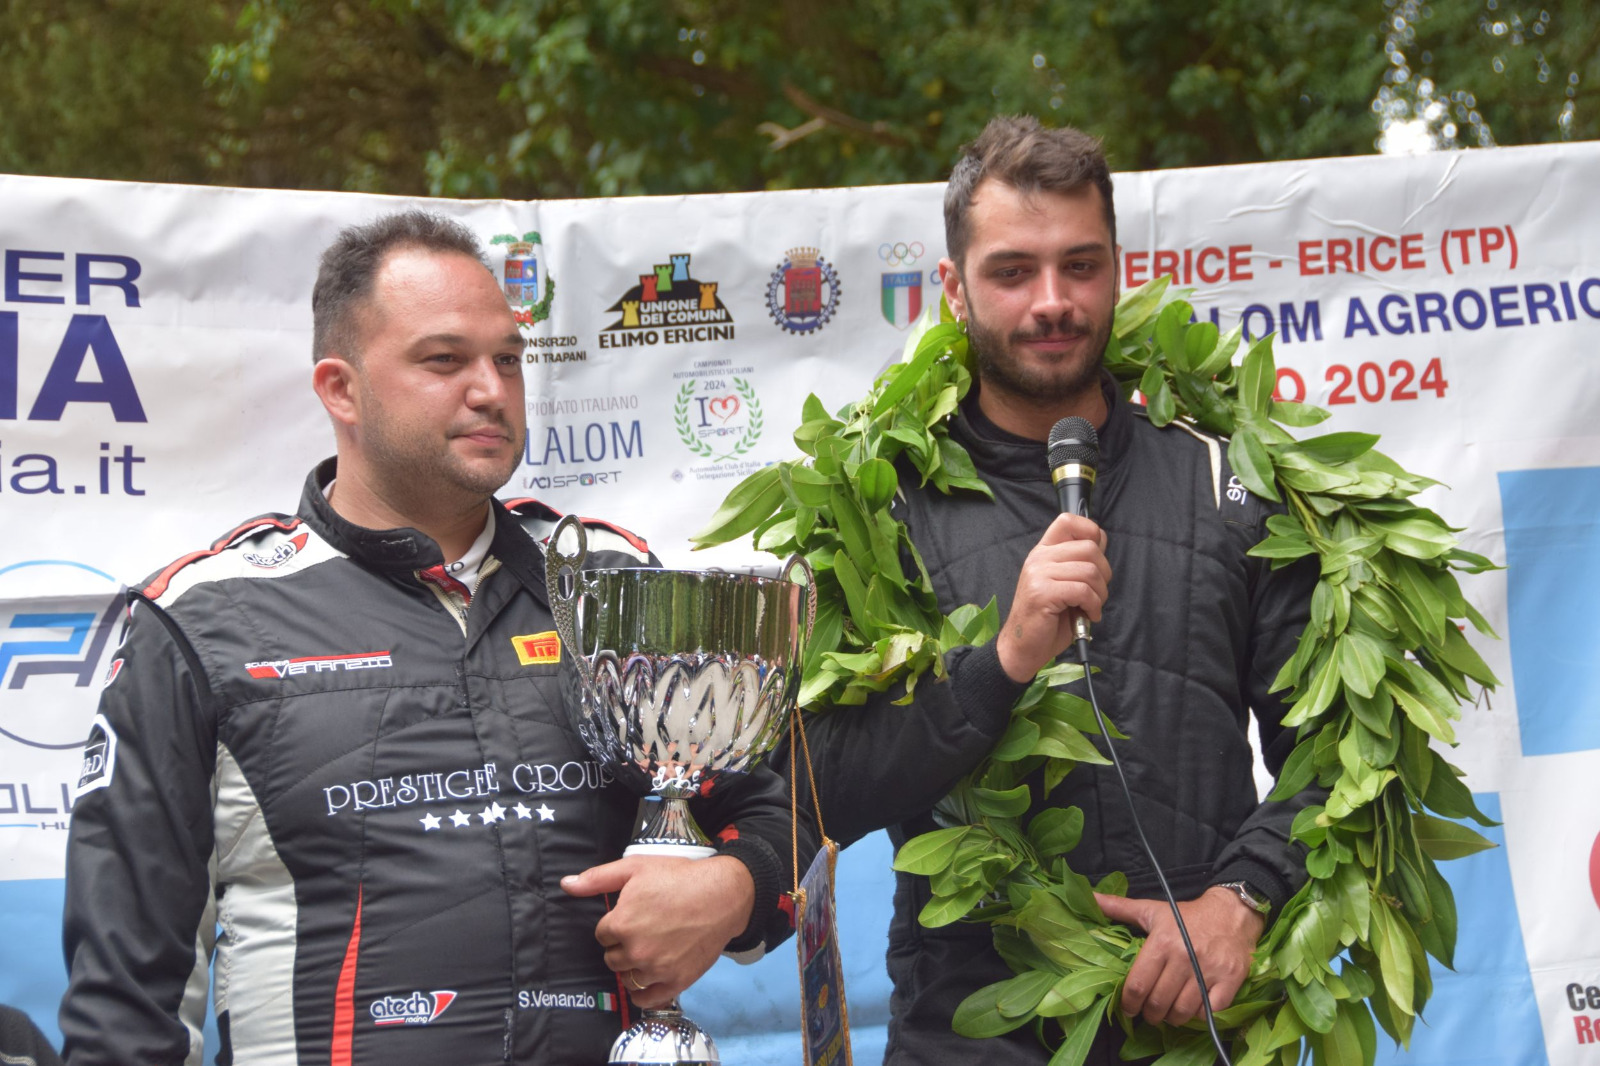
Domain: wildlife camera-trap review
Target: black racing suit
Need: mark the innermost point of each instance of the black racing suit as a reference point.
(366, 790)
(1193, 633)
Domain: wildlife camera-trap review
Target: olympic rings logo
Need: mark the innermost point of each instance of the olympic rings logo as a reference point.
(900, 252)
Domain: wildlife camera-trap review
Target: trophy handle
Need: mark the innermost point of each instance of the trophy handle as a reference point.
(811, 587)
(563, 575)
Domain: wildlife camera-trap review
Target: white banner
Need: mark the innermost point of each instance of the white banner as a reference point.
(154, 392)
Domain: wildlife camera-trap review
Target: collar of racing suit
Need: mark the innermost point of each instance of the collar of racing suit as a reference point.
(997, 453)
(407, 550)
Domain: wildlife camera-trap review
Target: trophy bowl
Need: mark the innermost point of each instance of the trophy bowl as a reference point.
(673, 679)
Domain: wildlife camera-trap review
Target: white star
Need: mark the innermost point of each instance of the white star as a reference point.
(429, 822)
(545, 813)
(458, 819)
(523, 811)
(493, 813)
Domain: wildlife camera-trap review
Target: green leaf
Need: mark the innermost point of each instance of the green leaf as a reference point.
(1250, 460)
(1076, 991)
(877, 482)
(1441, 943)
(1010, 803)
(1171, 325)
(745, 508)
(1441, 839)
(1458, 653)
(1341, 1045)
(1313, 1002)
(934, 343)
(1162, 407)
(1299, 415)
(1056, 831)
(930, 852)
(1061, 741)
(1198, 344)
(1448, 795)
(1137, 306)
(852, 525)
(1079, 1034)
(942, 910)
(979, 1014)
(1022, 993)
(1258, 376)
(1017, 742)
(1360, 662)
(1394, 957)
(1337, 447)
(1298, 772)
(1423, 714)
(855, 593)
(1416, 537)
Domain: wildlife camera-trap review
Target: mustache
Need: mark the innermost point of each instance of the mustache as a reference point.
(1050, 331)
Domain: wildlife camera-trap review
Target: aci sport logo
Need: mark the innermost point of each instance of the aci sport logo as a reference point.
(419, 1008)
(803, 292)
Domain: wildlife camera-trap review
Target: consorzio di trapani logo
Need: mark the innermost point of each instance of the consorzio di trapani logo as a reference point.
(519, 277)
(803, 292)
(716, 422)
(669, 306)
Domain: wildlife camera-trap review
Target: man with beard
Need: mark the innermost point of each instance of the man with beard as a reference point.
(333, 746)
(1186, 644)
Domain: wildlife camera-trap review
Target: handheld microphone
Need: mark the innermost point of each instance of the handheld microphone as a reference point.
(1074, 453)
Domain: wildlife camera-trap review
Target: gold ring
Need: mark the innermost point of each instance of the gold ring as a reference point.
(633, 981)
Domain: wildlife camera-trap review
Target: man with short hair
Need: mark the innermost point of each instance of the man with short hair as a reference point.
(1187, 644)
(334, 744)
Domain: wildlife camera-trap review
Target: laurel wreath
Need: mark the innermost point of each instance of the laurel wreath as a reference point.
(752, 431)
(1375, 681)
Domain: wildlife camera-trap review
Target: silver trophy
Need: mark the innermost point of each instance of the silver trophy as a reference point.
(674, 678)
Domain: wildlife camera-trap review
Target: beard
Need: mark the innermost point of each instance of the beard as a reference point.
(425, 467)
(1001, 366)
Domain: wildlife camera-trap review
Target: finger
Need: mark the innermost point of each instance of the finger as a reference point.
(609, 877)
(1071, 527)
(1176, 980)
(1187, 1005)
(1121, 909)
(1142, 976)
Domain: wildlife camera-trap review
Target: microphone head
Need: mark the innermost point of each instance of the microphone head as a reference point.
(1073, 440)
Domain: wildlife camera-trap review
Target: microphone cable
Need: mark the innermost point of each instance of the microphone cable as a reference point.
(1183, 930)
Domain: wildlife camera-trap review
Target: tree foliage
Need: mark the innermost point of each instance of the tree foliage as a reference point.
(553, 98)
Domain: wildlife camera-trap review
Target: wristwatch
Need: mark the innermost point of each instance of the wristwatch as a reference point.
(1248, 896)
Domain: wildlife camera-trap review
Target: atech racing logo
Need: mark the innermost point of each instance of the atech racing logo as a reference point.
(419, 1008)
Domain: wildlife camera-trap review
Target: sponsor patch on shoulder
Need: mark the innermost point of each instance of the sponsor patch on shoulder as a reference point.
(535, 649)
(99, 758)
(280, 554)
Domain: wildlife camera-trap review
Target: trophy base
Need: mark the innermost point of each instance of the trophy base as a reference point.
(676, 851)
(665, 827)
(664, 1038)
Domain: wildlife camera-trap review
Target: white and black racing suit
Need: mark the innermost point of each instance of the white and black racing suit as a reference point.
(363, 788)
